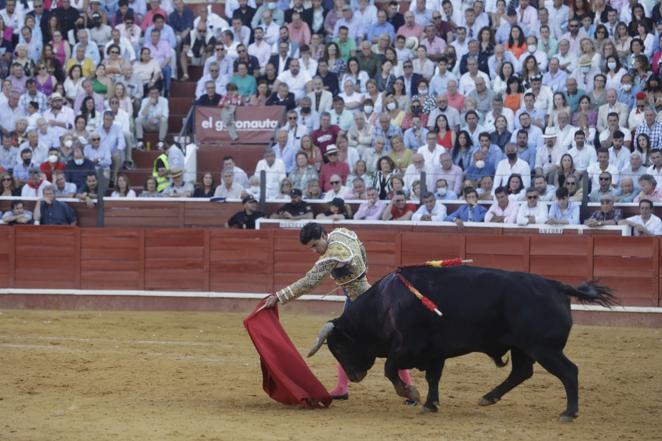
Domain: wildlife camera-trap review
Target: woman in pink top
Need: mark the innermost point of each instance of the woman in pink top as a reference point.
(61, 48)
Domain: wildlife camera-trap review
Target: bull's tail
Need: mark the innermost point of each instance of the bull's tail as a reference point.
(591, 292)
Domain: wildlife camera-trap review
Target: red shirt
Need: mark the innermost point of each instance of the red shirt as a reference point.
(397, 213)
(329, 169)
(48, 170)
(323, 138)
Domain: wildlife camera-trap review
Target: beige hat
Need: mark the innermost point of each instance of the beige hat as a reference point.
(55, 96)
(176, 172)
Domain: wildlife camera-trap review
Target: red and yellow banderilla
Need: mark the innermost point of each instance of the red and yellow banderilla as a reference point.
(429, 304)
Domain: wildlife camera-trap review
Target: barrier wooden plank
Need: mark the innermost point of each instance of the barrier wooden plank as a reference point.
(629, 265)
(241, 261)
(568, 258)
(174, 259)
(209, 214)
(504, 252)
(6, 255)
(110, 259)
(45, 256)
(418, 247)
(151, 214)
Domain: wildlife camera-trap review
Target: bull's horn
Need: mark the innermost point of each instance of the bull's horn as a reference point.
(321, 338)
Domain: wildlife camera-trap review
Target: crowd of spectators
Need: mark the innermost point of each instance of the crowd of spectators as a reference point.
(403, 107)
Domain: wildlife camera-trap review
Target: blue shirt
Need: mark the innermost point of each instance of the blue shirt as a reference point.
(376, 30)
(468, 214)
(167, 34)
(410, 140)
(570, 214)
(475, 174)
(528, 155)
(57, 213)
(182, 22)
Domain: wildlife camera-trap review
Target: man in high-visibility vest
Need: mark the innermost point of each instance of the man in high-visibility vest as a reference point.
(161, 171)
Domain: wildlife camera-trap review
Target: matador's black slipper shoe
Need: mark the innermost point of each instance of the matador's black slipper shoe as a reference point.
(340, 397)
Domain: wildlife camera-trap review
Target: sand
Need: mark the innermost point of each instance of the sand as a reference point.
(98, 376)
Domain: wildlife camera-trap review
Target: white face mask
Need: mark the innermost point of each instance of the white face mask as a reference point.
(422, 91)
(52, 159)
(532, 48)
(611, 65)
(627, 87)
(390, 106)
(480, 164)
(68, 143)
(442, 191)
(368, 109)
(79, 161)
(585, 69)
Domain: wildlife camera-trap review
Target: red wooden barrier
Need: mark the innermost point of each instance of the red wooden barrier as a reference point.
(262, 261)
(630, 266)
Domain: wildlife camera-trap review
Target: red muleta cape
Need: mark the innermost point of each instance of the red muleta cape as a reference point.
(285, 376)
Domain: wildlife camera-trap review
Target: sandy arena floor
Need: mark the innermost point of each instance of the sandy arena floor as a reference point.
(190, 376)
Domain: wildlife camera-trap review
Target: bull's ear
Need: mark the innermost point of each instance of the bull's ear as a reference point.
(321, 338)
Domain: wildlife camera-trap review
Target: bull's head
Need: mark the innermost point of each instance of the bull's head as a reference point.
(354, 356)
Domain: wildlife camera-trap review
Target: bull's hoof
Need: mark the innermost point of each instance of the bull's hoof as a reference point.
(411, 403)
(412, 393)
(429, 408)
(485, 401)
(567, 418)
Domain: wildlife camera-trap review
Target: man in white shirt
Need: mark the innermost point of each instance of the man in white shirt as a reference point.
(468, 80)
(153, 115)
(431, 150)
(274, 169)
(532, 212)
(498, 110)
(582, 154)
(606, 137)
(646, 223)
(414, 170)
(430, 209)
(512, 164)
(220, 82)
(619, 157)
(558, 18)
(296, 79)
(58, 117)
(602, 165)
(13, 17)
(527, 17)
(452, 114)
(260, 49)
(612, 106)
(543, 95)
(503, 210)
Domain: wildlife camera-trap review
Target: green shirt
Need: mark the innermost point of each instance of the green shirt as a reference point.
(245, 86)
(346, 48)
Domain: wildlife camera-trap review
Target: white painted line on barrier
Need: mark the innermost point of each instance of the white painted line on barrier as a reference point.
(257, 296)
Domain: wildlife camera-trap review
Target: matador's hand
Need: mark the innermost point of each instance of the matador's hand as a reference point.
(271, 301)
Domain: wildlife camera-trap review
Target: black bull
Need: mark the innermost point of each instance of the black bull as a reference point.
(485, 310)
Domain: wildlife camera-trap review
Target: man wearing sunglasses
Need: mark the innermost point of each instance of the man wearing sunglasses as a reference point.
(533, 211)
(606, 215)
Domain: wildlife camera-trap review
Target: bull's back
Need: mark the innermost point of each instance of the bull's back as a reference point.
(483, 305)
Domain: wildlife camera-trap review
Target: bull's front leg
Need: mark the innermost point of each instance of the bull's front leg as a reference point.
(433, 376)
(404, 390)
